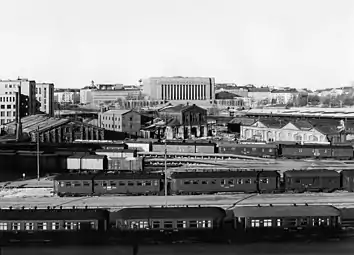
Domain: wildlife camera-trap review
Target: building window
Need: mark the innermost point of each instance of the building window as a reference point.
(267, 223)
(15, 226)
(255, 223)
(29, 226)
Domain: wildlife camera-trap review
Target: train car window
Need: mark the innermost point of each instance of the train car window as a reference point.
(61, 184)
(209, 224)
(86, 184)
(130, 183)
(42, 225)
(29, 226)
(303, 222)
(187, 182)
(291, 222)
(265, 180)
(148, 183)
(143, 224)
(97, 183)
(77, 184)
(279, 222)
(223, 182)
(3, 225)
(255, 223)
(195, 182)
(267, 223)
(297, 181)
(104, 184)
(325, 151)
(201, 223)
(112, 183)
(92, 225)
(155, 224)
(231, 182)
(168, 224)
(121, 183)
(270, 150)
(254, 149)
(181, 224)
(193, 224)
(70, 225)
(300, 150)
(204, 182)
(244, 149)
(133, 225)
(156, 183)
(139, 183)
(68, 184)
(55, 225)
(248, 181)
(15, 226)
(262, 150)
(239, 181)
(213, 182)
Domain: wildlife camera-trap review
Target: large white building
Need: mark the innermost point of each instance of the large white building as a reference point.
(8, 89)
(182, 89)
(45, 95)
(69, 96)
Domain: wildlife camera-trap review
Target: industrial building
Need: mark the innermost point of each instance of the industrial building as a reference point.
(127, 121)
(187, 89)
(45, 96)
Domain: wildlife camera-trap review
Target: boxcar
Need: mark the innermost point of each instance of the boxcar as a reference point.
(94, 162)
(347, 180)
(168, 223)
(312, 180)
(224, 181)
(254, 150)
(140, 146)
(187, 147)
(74, 184)
(125, 153)
(128, 184)
(342, 152)
(54, 225)
(123, 164)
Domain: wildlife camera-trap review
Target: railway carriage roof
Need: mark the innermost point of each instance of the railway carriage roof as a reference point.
(311, 173)
(129, 176)
(171, 213)
(224, 174)
(286, 211)
(238, 145)
(52, 214)
(321, 146)
(348, 172)
(74, 177)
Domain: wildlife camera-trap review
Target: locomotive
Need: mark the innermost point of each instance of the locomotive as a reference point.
(206, 182)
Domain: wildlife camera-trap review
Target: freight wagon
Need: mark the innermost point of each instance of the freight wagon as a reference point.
(87, 162)
(125, 153)
(172, 147)
(139, 146)
(315, 151)
(126, 164)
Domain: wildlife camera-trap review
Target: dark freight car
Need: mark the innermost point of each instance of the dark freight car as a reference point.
(188, 147)
(312, 180)
(342, 152)
(128, 184)
(224, 181)
(254, 150)
(123, 164)
(305, 151)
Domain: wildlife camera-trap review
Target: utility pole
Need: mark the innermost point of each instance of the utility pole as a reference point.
(166, 195)
(38, 153)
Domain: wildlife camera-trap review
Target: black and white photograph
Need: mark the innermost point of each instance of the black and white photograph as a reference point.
(165, 127)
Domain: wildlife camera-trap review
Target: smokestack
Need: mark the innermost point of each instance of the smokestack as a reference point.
(18, 117)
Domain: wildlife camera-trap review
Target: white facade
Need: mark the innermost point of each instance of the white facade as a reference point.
(8, 99)
(45, 95)
(287, 133)
(86, 95)
(67, 96)
(180, 88)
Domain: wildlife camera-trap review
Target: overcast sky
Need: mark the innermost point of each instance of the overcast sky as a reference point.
(299, 43)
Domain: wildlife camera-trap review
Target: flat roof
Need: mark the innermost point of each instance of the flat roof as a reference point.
(286, 211)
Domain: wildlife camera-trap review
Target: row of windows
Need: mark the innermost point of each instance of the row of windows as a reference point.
(110, 183)
(290, 222)
(8, 114)
(7, 99)
(224, 181)
(166, 224)
(9, 106)
(68, 225)
(247, 149)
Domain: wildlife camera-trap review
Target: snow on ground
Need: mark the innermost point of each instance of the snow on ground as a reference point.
(26, 192)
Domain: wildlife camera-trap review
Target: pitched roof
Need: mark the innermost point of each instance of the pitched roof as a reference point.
(224, 174)
(242, 121)
(117, 112)
(286, 211)
(225, 95)
(273, 123)
(302, 124)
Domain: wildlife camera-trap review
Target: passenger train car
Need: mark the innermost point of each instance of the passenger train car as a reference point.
(171, 224)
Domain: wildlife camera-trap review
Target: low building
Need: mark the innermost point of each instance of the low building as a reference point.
(185, 121)
(280, 96)
(272, 130)
(86, 94)
(127, 121)
(261, 95)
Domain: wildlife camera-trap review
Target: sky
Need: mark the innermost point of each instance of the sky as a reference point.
(297, 43)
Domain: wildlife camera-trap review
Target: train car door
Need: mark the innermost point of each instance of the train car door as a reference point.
(316, 152)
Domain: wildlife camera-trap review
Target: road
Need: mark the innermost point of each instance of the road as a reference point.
(340, 199)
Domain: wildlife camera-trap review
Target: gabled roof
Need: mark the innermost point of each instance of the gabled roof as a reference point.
(273, 123)
(242, 121)
(302, 124)
(179, 108)
(117, 112)
(225, 95)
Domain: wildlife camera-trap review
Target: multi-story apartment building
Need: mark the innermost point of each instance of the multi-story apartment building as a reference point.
(182, 89)
(45, 96)
(68, 96)
(86, 94)
(112, 92)
(8, 99)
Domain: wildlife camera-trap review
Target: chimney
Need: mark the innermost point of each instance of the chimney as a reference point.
(18, 117)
